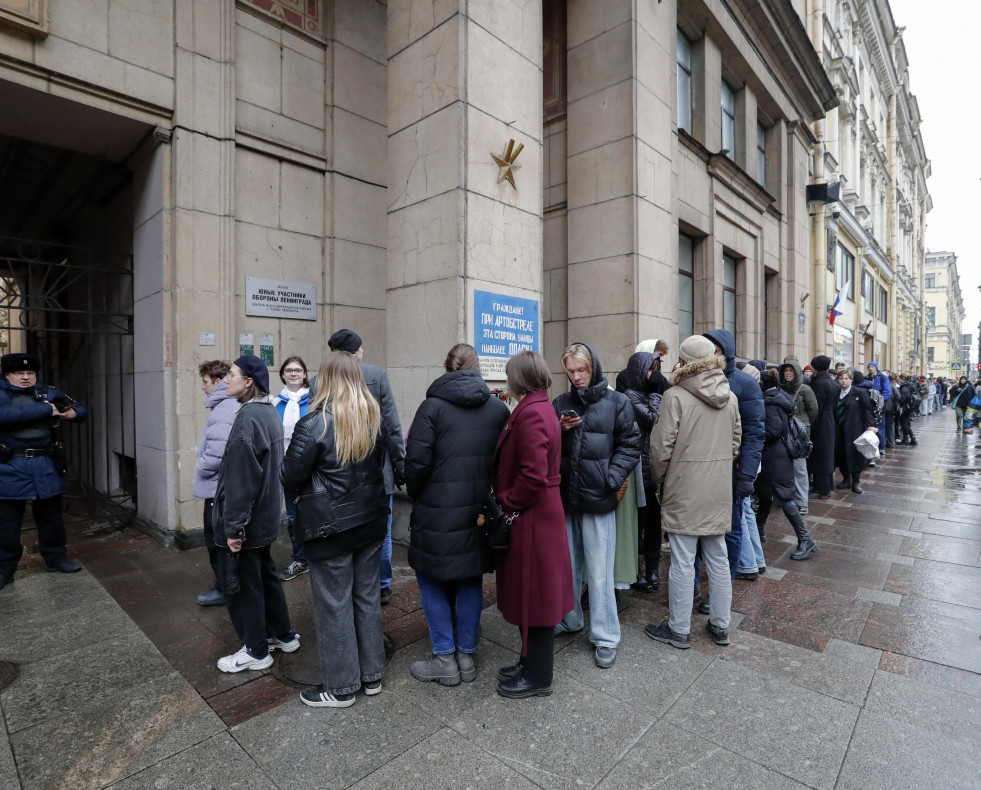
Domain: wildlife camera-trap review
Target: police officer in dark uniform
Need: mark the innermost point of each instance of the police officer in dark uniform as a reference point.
(31, 467)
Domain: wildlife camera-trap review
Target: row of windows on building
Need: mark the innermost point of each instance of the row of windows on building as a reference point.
(728, 110)
(875, 298)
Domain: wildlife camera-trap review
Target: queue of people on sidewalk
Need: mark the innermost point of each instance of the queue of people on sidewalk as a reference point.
(588, 484)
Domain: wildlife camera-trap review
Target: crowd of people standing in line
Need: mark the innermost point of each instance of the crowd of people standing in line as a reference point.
(592, 481)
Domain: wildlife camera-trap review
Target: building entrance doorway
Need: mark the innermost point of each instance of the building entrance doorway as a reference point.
(73, 307)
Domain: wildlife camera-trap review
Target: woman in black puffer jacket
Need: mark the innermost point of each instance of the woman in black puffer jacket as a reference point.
(775, 481)
(448, 468)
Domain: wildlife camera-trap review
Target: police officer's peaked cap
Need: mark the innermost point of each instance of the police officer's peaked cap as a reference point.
(13, 363)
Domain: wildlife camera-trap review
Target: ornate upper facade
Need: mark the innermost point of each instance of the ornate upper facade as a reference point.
(871, 147)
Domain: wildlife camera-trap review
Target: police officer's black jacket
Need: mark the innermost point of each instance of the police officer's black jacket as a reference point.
(448, 471)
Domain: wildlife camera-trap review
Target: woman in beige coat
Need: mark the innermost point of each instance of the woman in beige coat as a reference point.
(693, 444)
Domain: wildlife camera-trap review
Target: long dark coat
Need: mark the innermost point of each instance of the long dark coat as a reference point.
(856, 418)
(822, 458)
(448, 461)
(534, 576)
(777, 472)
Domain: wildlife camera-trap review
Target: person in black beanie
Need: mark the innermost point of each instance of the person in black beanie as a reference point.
(245, 518)
(821, 462)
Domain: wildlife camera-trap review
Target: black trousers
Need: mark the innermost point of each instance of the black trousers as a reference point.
(51, 536)
(258, 610)
(209, 541)
(539, 655)
(649, 529)
(905, 431)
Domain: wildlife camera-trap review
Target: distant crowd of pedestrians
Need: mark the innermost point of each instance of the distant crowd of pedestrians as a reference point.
(694, 448)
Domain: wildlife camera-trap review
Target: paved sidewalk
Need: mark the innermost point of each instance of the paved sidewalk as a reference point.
(860, 668)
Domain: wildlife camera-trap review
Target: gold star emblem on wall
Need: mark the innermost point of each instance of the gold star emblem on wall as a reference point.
(506, 162)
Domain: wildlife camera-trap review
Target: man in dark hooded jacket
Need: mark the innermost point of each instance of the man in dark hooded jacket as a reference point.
(821, 461)
(600, 447)
(752, 416)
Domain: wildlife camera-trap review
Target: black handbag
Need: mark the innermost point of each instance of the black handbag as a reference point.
(495, 523)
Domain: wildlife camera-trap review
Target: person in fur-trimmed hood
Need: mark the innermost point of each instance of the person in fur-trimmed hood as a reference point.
(693, 447)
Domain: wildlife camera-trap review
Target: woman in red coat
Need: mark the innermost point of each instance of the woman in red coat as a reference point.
(534, 576)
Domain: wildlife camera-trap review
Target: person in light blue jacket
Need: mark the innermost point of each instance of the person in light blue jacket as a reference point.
(211, 448)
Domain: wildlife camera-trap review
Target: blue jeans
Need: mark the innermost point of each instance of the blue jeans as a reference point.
(299, 555)
(385, 564)
(437, 601)
(751, 553)
(882, 433)
(348, 615)
(592, 544)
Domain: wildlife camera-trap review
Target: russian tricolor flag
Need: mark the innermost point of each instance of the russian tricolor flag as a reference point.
(837, 307)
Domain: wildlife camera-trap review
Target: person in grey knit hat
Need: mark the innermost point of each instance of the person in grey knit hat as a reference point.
(693, 444)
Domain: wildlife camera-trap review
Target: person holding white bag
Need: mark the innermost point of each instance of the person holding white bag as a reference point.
(853, 416)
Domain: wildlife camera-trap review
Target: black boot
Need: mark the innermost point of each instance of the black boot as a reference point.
(805, 545)
(856, 484)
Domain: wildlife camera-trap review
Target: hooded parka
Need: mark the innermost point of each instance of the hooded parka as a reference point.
(821, 461)
(644, 393)
(695, 440)
(805, 402)
(599, 453)
(777, 473)
(448, 468)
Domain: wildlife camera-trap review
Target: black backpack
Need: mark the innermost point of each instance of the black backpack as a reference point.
(798, 439)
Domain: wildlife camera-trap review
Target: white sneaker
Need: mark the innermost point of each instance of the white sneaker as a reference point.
(243, 660)
(289, 646)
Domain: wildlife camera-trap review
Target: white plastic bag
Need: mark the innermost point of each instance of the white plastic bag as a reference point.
(868, 444)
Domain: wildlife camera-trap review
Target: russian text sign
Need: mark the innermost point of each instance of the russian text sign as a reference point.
(279, 299)
(503, 326)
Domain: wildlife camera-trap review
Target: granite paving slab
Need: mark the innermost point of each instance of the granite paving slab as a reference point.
(444, 761)
(646, 673)
(670, 758)
(114, 735)
(218, 762)
(886, 754)
(843, 564)
(333, 747)
(932, 673)
(58, 685)
(793, 730)
(934, 581)
(34, 594)
(572, 738)
(906, 630)
(927, 706)
(958, 551)
(842, 671)
(934, 525)
(8, 770)
(869, 517)
(27, 639)
(843, 534)
(805, 607)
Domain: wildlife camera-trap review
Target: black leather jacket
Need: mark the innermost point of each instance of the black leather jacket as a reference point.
(331, 499)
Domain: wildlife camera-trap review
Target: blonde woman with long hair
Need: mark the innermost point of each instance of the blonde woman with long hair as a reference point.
(333, 471)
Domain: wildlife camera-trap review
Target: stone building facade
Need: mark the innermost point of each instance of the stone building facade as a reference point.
(944, 314)
(871, 152)
(245, 175)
